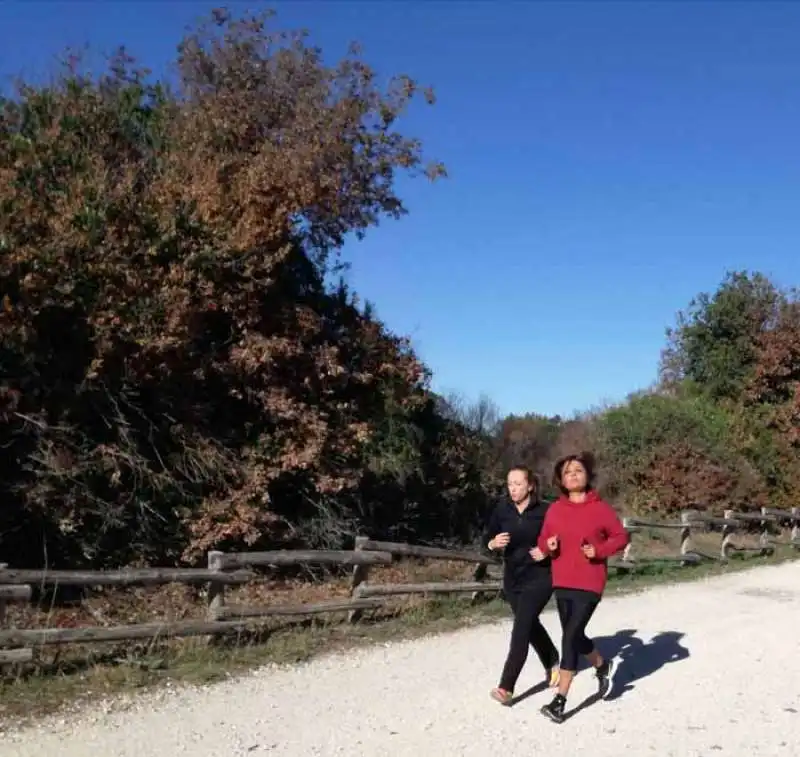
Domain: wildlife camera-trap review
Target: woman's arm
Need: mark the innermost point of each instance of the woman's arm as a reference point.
(546, 532)
(492, 527)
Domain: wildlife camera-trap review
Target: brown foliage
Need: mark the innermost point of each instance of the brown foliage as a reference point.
(538, 441)
(776, 378)
(574, 436)
(170, 347)
(678, 476)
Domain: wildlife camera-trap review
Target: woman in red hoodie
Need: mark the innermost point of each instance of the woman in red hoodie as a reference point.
(580, 532)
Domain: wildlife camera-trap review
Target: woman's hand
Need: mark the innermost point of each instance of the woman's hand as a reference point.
(500, 541)
(552, 543)
(537, 554)
(589, 551)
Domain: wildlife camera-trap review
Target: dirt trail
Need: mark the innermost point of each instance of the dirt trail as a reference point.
(706, 668)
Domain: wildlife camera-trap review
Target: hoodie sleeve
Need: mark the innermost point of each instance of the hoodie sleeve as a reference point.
(617, 537)
(492, 527)
(547, 530)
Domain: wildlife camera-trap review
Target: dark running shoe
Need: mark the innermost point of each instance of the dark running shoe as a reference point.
(555, 710)
(605, 678)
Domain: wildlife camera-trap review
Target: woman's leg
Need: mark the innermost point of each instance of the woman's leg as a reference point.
(528, 629)
(501, 693)
(539, 638)
(604, 669)
(578, 608)
(575, 610)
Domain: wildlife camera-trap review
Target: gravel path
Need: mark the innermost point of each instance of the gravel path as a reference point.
(706, 668)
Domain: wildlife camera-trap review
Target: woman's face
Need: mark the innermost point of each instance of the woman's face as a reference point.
(574, 476)
(518, 486)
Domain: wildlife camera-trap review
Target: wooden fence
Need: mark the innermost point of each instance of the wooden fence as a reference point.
(730, 525)
(238, 568)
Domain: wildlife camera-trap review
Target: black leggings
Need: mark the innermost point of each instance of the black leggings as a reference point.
(575, 609)
(527, 605)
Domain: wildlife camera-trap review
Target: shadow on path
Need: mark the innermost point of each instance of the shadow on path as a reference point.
(635, 660)
(537, 689)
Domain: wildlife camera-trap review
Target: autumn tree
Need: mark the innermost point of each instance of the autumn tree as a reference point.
(176, 372)
(666, 452)
(738, 347)
(772, 404)
(527, 439)
(776, 376)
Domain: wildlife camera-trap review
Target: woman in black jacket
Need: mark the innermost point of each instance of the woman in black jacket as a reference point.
(513, 528)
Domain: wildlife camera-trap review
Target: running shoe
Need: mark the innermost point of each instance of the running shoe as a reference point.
(502, 696)
(605, 678)
(555, 710)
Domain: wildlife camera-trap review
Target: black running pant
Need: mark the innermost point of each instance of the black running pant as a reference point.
(575, 610)
(527, 605)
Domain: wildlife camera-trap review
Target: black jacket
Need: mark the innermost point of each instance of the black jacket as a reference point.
(520, 570)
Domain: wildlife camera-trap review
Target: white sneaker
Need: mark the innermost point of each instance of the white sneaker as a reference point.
(605, 678)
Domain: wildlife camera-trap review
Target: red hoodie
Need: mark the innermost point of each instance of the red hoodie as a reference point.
(575, 523)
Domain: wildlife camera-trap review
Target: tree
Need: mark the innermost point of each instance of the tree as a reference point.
(177, 374)
(715, 342)
(739, 347)
(773, 405)
(665, 453)
(481, 416)
(776, 375)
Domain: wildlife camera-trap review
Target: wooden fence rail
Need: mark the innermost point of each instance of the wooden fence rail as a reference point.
(237, 568)
(288, 557)
(432, 553)
(128, 577)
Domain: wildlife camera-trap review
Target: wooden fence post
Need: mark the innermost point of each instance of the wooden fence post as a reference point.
(479, 574)
(686, 533)
(216, 590)
(626, 554)
(765, 539)
(3, 566)
(727, 536)
(360, 575)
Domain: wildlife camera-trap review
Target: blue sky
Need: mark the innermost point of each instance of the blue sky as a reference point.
(607, 162)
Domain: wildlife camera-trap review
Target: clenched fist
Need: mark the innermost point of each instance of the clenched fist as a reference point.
(500, 541)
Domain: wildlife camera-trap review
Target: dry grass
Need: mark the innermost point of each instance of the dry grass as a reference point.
(71, 675)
